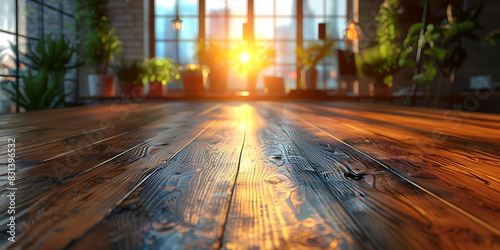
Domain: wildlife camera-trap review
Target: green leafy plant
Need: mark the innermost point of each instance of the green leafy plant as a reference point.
(315, 52)
(129, 72)
(101, 44)
(161, 70)
(43, 86)
(388, 39)
(441, 44)
(493, 37)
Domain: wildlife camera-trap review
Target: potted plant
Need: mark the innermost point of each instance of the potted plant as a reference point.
(47, 63)
(442, 45)
(252, 58)
(129, 77)
(311, 56)
(100, 46)
(159, 72)
(194, 78)
(215, 56)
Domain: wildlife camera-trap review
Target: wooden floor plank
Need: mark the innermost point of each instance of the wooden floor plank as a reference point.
(393, 212)
(184, 204)
(278, 203)
(66, 211)
(442, 170)
(41, 176)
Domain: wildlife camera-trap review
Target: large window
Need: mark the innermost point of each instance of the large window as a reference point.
(28, 20)
(276, 22)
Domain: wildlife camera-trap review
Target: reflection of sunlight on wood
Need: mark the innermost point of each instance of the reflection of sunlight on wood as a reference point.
(242, 93)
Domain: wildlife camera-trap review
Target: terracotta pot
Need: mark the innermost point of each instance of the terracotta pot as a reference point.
(128, 89)
(311, 78)
(101, 85)
(193, 84)
(218, 80)
(156, 89)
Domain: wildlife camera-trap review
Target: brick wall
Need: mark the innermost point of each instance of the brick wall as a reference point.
(128, 19)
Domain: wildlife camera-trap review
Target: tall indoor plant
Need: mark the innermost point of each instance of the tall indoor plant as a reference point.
(100, 44)
(311, 56)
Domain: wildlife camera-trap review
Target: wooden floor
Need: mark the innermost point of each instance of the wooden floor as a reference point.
(267, 175)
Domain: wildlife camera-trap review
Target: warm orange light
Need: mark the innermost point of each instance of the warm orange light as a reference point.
(352, 32)
(177, 24)
(244, 57)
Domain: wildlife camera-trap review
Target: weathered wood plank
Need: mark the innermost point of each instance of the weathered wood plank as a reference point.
(184, 204)
(394, 212)
(68, 210)
(278, 203)
(38, 177)
(443, 169)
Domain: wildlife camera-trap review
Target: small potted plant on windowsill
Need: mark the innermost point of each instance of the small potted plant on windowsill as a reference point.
(311, 56)
(129, 78)
(194, 77)
(159, 72)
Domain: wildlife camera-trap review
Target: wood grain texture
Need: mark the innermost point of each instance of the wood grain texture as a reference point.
(441, 166)
(411, 217)
(67, 210)
(184, 204)
(278, 203)
(270, 175)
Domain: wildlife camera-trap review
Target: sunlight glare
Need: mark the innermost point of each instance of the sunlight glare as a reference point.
(244, 57)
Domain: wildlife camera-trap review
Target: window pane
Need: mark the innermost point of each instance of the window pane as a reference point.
(286, 7)
(215, 28)
(29, 19)
(182, 52)
(8, 15)
(314, 7)
(289, 75)
(263, 7)
(68, 6)
(286, 52)
(165, 7)
(264, 28)
(187, 51)
(336, 7)
(310, 27)
(188, 7)
(236, 28)
(52, 21)
(52, 3)
(7, 65)
(325, 79)
(335, 27)
(215, 7)
(164, 29)
(286, 28)
(237, 7)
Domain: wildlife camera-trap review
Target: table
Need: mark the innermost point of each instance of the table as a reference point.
(270, 175)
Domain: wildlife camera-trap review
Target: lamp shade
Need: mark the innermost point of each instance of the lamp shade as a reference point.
(177, 23)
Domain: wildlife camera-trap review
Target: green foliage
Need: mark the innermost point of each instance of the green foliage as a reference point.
(493, 37)
(388, 36)
(44, 82)
(129, 72)
(101, 45)
(369, 61)
(440, 44)
(315, 52)
(159, 70)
